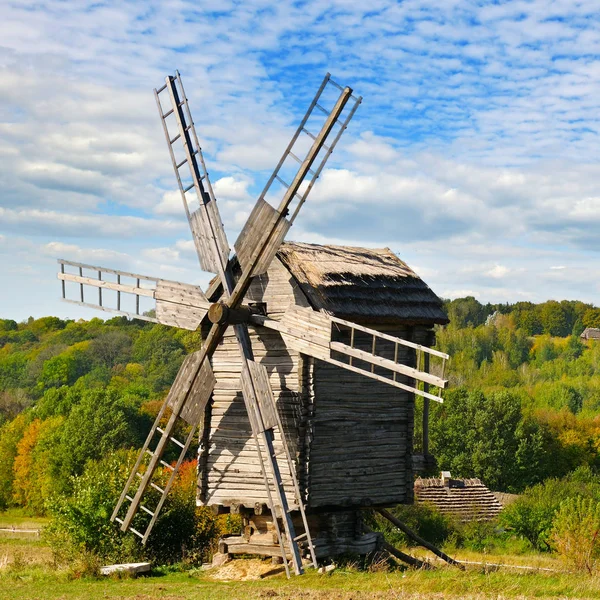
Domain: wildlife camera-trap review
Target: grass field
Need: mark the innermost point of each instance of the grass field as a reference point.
(26, 572)
(340, 585)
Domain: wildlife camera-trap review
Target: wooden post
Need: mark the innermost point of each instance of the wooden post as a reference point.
(426, 409)
(410, 533)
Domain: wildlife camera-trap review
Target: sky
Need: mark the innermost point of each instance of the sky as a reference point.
(474, 154)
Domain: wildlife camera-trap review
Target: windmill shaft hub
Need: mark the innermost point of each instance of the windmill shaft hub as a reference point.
(220, 313)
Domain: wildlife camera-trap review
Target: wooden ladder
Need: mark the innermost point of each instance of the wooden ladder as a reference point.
(264, 420)
(341, 122)
(140, 471)
(186, 404)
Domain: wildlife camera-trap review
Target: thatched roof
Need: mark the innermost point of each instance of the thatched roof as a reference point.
(361, 283)
(591, 333)
(466, 499)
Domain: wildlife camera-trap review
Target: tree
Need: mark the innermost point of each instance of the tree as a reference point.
(527, 318)
(12, 402)
(100, 423)
(111, 348)
(8, 325)
(33, 481)
(576, 532)
(161, 354)
(468, 311)
(10, 434)
(13, 370)
(591, 318)
(487, 436)
(554, 318)
(65, 368)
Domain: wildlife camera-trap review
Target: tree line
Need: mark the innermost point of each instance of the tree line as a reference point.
(78, 396)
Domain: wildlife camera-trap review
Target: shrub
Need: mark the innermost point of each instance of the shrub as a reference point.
(424, 519)
(531, 516)
(80, 523)
(576, 532)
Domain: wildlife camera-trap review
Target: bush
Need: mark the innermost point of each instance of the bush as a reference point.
(576, 533)
(80, 523)
(531, 516)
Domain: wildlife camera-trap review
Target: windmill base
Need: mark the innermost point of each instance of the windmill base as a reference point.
(333, 533)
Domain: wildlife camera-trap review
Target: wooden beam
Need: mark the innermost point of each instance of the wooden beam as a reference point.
(417, 538)
(388, 364)
(62, 261)
(391, 338)
(426, 410)
(109, 285)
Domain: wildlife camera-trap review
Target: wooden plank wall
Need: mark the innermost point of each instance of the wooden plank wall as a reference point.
(360, 434)
(352, 436)
(231, 475)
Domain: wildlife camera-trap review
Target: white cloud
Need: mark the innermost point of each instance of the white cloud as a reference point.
(170, 204)
(47, 222)
(474, 153)
(498, 272)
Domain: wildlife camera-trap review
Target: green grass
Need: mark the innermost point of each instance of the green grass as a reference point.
(26, 571)
(16, 517)
(340, 585)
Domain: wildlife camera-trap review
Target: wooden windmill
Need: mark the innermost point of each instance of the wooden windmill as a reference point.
(274, 342)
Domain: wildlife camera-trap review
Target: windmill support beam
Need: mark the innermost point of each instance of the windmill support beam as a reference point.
(417, 538)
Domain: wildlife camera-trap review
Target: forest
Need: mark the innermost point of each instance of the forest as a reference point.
(78, 397)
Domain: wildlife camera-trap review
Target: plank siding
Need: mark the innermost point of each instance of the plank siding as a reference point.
(360, 434)
(232, 474)
(351, 436)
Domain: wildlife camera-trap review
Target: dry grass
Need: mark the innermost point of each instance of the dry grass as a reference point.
(342, 584)
(533, 560)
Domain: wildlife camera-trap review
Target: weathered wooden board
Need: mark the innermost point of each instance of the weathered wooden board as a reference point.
(108, 285)
(207, 229)
(177, 304)
(255, 236)
(180, 304)
(197, 387)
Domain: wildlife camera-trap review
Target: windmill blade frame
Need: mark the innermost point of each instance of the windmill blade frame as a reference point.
(175, 304)
(313, 334)
(205, 221)
(262, 246)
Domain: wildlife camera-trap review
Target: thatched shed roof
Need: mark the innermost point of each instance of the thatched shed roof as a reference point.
(465, 499)
(591, 333)
(361, 283)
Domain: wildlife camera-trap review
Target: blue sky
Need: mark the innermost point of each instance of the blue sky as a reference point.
(474, 155)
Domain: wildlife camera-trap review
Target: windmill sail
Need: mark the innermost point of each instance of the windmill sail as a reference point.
(374, 356)
(267, 227)
(133, 295)
(196, 190)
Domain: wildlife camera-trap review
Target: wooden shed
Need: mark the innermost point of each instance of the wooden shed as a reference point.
(464, 499)
(591, 333)
(351, 437)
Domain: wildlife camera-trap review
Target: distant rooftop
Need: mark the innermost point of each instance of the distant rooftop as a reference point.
(466, 499)
(591, 333)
